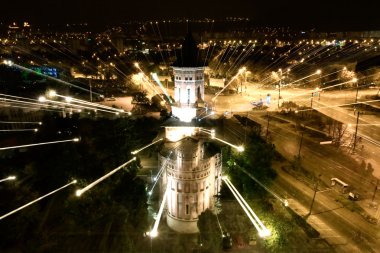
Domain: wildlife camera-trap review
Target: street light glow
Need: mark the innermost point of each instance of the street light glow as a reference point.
(257, 223)
(10, 178)
(79, 192)
(19, 130)
(39, 144)
(147, 146)
(41, 99)
(153, 232)
(52, 93)
(38, 199)
(21, 122)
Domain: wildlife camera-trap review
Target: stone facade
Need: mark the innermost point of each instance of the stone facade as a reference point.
(192, 177)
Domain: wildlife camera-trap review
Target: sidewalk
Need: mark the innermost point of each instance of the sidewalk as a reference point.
(336, 238)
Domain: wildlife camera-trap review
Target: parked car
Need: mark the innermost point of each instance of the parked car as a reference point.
(353, 196)
(226, 241)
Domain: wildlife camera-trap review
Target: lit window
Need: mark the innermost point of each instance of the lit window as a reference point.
(179, 187)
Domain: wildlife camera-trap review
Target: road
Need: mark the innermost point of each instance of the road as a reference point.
(337, 224)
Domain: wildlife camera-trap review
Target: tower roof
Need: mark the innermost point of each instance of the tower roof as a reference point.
(188, 57)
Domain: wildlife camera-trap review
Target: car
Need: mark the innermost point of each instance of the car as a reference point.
(353, 196)
(257, 103)
(111, 99)
(226, 241)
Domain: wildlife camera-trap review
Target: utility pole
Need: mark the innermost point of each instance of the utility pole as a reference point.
(356, 131)
(374, 192)
(311, 101)
(357, 92)
(299, 150)
(89, 81)
(245, 130)
(315, 193)
(266, 136)
(279, 94)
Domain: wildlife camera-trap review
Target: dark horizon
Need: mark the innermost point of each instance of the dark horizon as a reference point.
(323, 16)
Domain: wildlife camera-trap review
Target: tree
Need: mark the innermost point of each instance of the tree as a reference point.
(210, 234)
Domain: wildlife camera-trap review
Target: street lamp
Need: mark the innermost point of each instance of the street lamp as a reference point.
(355, 80)
(312, 95)
(356, 131)
(315, 193)
(279, 88)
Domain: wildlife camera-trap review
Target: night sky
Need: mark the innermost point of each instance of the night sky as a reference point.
(323, 15)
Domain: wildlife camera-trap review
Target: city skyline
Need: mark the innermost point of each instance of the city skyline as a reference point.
(322, 15)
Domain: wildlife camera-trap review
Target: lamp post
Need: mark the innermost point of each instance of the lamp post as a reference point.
(279, 88)
(355, 80)
(315, 193)
(312, 96)
(311, 100)
(299, 150)
(266, 135)
(356, 130)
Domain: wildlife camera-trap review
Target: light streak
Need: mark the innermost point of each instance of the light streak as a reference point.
(150, 192)
(333, 106)
(79, 192)
(38, 199)
(238, 148)
(211, 113)
(147, 146)
(233, 78)
(321, 89)
(34, 108)
(8, 178)
(39, 144)
(153, 232)
(43, 99)
(155, 78)
(284, 201)
(68, 99)
(21, 122)
(315, 73)
(326, 75)
(263, 231)
(8, 100)
(54, 79)
(144, 76)
(19, 130)
(212, 133)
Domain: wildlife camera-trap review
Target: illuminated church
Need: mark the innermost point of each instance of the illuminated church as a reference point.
(192, 165)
